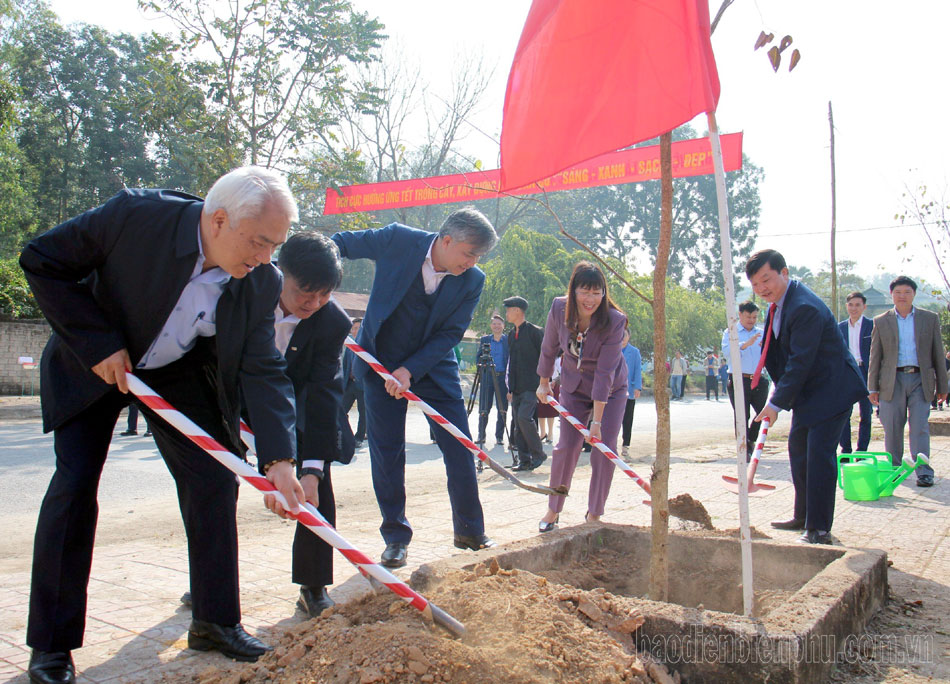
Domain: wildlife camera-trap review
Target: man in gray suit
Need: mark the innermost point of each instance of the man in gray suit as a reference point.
(906, 369)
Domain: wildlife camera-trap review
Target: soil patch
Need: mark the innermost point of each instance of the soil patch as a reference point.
(521, 628)
(686, 507)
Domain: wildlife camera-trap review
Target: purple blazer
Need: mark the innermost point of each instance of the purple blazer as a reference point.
(603, 370)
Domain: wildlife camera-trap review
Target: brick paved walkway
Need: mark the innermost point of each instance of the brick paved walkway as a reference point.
(136, 629)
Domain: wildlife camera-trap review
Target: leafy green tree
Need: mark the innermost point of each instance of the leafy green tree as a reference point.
(16, 298)
(848, 281)
(77, 127)
(525, 263)
(277, 73)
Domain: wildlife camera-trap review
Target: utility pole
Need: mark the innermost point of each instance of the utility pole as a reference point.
(834, 264)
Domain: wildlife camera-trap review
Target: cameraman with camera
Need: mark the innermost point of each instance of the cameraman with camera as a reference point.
(492, 361)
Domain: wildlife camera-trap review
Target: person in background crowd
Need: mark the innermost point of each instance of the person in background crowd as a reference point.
(856, 330)
(712, 368)
(524, 346)
(750, 340)
(631, 356)
(678, 371)
(497, 343)
(905, 372)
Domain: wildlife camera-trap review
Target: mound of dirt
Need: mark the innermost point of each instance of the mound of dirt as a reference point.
(521, 628)
(686, 507)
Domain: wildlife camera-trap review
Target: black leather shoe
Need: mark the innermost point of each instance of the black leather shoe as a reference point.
(793, 524)
(314, 600)
(925, 481)
(394, 556)
(538, 462)
(482, 541)
(129, 433)
(52, 667)
(186, 599)
(815, 537)
(232, 641)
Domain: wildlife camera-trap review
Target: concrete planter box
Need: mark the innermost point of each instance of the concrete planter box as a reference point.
(810, 600)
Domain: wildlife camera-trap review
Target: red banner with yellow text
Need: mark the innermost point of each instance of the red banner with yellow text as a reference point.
(690, 158)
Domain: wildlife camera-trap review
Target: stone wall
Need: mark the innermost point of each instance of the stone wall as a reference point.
(21, 338)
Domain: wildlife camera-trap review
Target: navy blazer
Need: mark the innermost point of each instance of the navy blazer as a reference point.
(867, 327)
(315, 368)
(814, 372)
(399, 252)
(108, 279)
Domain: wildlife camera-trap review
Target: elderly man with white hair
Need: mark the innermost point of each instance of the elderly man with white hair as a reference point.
(181, 291)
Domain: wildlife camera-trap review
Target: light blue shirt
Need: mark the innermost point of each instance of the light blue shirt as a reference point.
(906, 342)
(193, 315)
(634, 369)
(750, 355)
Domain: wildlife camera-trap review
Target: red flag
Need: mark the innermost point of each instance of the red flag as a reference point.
(593, 77)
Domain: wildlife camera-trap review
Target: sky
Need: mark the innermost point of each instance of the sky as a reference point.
(878, 64)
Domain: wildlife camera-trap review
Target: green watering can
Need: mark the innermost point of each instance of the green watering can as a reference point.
(867, 476)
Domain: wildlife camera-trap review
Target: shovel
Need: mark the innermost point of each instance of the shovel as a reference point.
(732, 483)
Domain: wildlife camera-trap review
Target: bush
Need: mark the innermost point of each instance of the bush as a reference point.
(16, 299)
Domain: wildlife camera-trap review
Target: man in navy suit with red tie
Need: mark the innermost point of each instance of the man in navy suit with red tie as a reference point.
(816, 378)
(856, 331)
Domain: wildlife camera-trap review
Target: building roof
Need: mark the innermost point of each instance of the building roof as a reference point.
(876, 297)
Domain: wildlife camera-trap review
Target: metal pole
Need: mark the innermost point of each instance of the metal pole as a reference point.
(725, 239)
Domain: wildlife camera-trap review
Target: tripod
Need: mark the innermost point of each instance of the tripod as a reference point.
(486, 364)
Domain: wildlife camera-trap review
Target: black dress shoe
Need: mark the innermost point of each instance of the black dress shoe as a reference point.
(793, 524)
(186, 599)
(232, 641)
(129, 433)
(481, 541)
(394, 556)
(815, 537)
(54, 667)
(314, 600)
(925, 481)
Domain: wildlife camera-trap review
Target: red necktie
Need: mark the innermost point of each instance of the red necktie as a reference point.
(765, 347)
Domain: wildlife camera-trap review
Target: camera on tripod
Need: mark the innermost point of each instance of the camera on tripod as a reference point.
(484, 354)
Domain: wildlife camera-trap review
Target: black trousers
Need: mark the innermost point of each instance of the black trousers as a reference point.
(755, 398)
(354, 392)
(812, 456)
(312, 564)
(207, 496)
(712, 385)
(628, 420)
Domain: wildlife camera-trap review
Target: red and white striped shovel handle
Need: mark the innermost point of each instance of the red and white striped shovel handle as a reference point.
(309, 517)
(597, 442)
(760, 443)
(449, 427)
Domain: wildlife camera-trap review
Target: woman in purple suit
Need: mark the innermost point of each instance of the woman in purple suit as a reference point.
(588, 327)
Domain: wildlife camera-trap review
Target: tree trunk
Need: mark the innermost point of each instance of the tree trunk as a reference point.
(659, 482)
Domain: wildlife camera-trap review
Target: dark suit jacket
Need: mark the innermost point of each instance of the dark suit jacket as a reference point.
(399, 252)
(602, 371)
(108, 279)
(814, 372)
(314, 366)
(867, 327)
